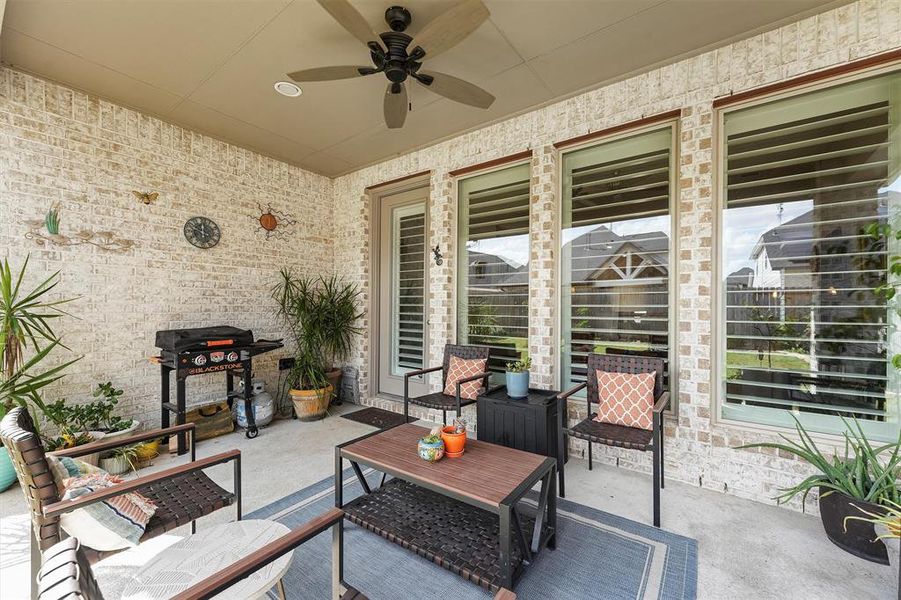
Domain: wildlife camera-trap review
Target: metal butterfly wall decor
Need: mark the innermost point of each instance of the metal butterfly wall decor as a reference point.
(146, 197)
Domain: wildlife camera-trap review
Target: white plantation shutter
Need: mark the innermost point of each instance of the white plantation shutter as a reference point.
(804, 332)
(616, 252)
(410, 291)
(493, 276)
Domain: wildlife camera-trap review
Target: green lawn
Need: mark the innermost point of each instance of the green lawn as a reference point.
(736, 359)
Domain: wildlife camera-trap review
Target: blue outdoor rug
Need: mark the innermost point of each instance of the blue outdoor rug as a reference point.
(598, 555)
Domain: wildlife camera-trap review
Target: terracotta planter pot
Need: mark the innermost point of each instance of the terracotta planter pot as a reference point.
(454, 443)
(311, 405)
(853, 536)
(334, 378)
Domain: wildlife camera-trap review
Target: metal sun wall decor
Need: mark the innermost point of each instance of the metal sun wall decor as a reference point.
(273, 222)
(46, 230)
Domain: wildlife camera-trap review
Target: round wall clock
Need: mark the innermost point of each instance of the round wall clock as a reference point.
(202, 232)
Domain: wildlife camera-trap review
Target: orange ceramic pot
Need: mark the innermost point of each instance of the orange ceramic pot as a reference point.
(453, 442)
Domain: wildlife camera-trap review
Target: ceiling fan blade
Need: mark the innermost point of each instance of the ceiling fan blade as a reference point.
(454, 88)
(350, 19)
(395, 105)
(450, 28)
(330, 73)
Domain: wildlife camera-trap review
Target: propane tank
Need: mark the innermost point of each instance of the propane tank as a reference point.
(261, 402)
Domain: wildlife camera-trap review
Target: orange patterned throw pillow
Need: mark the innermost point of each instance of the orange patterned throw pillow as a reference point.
(626, 399)
(461, 368)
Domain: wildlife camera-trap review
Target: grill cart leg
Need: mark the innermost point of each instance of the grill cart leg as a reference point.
(251, 431)
(180, 412)
(164, 398)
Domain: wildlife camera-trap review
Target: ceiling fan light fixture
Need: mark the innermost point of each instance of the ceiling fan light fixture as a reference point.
(286, 88)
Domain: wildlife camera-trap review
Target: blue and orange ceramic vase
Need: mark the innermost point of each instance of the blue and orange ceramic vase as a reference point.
(431, 451)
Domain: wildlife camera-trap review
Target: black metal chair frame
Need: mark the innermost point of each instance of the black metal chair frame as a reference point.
(619, 435)
(450, 402)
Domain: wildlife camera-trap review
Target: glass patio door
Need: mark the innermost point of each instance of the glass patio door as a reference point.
(402, 288)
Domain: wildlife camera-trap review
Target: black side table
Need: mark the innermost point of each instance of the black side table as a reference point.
(528, 423)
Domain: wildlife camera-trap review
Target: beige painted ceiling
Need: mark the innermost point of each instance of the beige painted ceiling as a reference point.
(210, 65)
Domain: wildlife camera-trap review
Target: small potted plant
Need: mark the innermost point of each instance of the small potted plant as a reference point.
(71, 422)
(888, 529)
(121, 460)
(518, 377)
(454, 437)
(431, 447)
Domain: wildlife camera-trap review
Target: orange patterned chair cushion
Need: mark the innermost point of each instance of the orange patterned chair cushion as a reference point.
(461, 368)
(626, 399)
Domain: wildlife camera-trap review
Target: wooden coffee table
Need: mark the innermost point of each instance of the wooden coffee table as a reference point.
(460, 513)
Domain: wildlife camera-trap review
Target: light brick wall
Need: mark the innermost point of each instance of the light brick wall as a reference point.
(57, 144)
(698, 450)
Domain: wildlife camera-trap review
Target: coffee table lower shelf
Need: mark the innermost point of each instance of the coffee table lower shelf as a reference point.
(456, 536)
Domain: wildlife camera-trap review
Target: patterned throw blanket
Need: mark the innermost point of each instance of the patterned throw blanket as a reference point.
(113, 524)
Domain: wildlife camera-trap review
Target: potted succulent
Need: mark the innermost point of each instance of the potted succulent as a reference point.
(26, 318)
(864, 478)
(518, 377)
(321, 333)
(72, 424)
(454, 437)
(431, 447)
(99, 414)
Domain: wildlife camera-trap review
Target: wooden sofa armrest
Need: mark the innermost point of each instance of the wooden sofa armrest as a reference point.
(132, 485)
(235, 572)
(101, 446)
(504, 594)
(662, 403)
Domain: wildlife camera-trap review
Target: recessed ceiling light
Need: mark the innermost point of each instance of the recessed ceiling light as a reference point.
(286, 88)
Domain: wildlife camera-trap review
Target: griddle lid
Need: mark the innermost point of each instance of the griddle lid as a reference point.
(222, 336)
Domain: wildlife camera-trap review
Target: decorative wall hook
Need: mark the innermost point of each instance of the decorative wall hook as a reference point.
(439, 259)
(146, 197)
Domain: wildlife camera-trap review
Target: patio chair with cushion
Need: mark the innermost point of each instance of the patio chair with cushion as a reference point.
(631, 411)
(462, 365)
(181, 494)
(66, 573)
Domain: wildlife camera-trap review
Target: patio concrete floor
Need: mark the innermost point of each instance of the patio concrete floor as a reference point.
(746, 549)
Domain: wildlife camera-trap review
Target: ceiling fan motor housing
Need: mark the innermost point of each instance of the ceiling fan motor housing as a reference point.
(398, 18)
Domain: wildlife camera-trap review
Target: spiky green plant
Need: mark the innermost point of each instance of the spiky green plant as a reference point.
(26, 319)
(864, 472)
(891, 518)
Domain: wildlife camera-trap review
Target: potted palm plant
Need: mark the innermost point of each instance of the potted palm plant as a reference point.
(863, 478)
(317, 313)
(25, 325)
(339, 314)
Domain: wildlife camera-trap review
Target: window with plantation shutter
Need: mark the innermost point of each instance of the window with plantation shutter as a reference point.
(805, 334)
(616, 250)
(410, 318)
(493, 276)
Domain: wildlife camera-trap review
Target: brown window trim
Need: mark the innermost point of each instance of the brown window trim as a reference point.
(376, 186)
(855, 65)
(642, 122)
(489, 164)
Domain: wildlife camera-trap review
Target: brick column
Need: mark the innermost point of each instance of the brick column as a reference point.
(442, 231)
(544, 246)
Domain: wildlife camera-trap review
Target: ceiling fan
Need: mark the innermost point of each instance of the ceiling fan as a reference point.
(399, 56)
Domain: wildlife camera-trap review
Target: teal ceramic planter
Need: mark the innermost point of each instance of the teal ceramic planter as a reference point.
(7, 471)
(518, 384)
